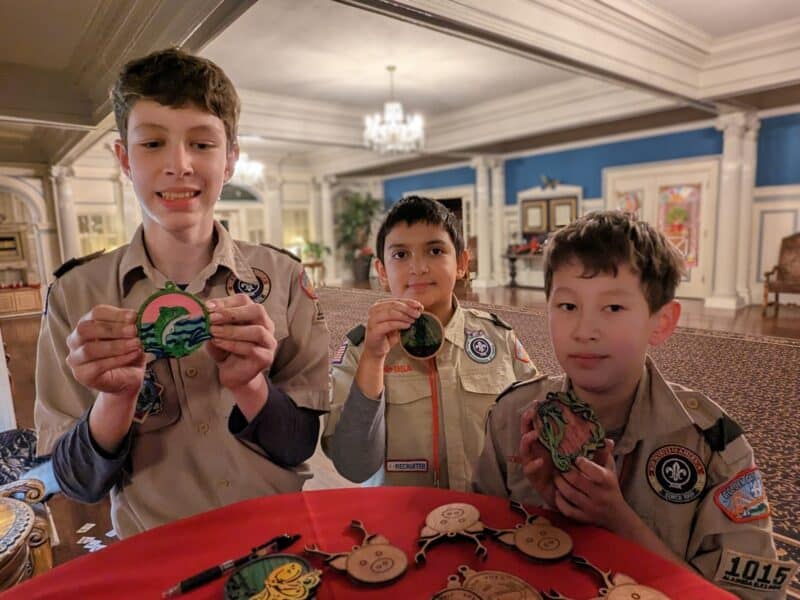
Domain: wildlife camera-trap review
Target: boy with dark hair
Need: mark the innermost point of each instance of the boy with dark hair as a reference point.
(421, 420)
(172, 437)
(676, 475)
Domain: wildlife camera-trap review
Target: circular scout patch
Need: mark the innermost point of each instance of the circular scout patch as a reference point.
(480, 348)
(274, 577)
(306, 285)
(172, 323)
(258, 292)
(676, 474)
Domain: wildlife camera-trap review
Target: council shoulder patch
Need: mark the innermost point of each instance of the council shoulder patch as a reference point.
(743, 498)
(754, 572)
(676, 474)
(519, 351)
(306, 285)
(258, 291)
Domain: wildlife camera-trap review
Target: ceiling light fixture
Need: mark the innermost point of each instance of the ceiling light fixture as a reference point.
(248, 172)
(392, 132)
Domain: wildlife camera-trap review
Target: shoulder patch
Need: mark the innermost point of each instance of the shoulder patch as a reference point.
(500, 322)
(519, 384)
(722, 433)
(283, 251)
(74, 262)
(356, 334)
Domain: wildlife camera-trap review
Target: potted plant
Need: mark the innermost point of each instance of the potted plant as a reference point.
(353, 229)
(315, 251)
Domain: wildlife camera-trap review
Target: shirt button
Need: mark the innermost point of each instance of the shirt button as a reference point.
(224, 483)
(191, 372)
(691, 403)
(203, 428)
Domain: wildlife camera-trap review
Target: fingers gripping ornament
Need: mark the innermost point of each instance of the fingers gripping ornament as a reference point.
(616, 586)
(375, 561)
(536, 537)
(486, 585)
(449, 521)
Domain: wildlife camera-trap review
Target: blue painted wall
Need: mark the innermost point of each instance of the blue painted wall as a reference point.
(778, 161)
(779, 151)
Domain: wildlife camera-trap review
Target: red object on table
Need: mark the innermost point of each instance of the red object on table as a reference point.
(147, 564)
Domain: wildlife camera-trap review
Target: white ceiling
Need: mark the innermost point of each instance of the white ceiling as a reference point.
(720, 18)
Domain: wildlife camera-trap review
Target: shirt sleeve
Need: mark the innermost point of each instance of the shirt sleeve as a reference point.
(524, 367)
(731, 541)
(489, 476)
(300, 368)
(287, 433)
(83, 470)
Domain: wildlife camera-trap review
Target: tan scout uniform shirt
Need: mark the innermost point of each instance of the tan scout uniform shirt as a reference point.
(184, 460)
(427, 403)
(678, 451)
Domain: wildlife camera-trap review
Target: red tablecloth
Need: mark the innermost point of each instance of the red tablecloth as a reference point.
(147, 564)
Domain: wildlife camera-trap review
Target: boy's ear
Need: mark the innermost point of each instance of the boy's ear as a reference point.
(121, 153)
(462, 264)
(381, 270)
(230, 160)
(666, 319)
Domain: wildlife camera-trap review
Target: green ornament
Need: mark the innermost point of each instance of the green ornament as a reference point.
(173, 323)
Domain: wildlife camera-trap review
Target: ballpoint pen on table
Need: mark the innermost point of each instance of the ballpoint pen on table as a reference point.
(276, 544)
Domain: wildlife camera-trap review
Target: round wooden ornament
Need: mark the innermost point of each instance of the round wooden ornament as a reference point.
(616, 586)
(486, 585)
(449, 521)
(536, 537)
(172, 323)
(424, 338)
(273, 577)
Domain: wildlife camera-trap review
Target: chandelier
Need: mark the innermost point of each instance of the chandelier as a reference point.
(248, 172)
(392, 132)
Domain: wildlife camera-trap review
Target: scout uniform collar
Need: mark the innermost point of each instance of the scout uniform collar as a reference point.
(135, 261)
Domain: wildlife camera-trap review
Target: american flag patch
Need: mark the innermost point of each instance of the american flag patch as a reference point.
(338, 356)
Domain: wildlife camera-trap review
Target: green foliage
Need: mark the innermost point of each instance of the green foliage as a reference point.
(677, 215)
(353, 223)
(315, 250)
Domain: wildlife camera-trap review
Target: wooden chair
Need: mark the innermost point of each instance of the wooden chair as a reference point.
(785, 276)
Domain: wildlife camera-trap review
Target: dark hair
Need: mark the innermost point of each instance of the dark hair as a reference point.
(176, 79)
(603, 241)
(416, 209)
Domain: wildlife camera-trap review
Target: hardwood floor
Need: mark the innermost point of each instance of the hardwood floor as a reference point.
(20, 336)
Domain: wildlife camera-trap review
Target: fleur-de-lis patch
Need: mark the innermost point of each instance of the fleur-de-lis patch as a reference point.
(676, 474)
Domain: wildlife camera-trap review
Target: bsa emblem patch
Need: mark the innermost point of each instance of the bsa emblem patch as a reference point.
(149, 401)
(676, 474)
(306, 285)
(519, 351)
(258, 291)
(479, 347)
(338, 356)
(743, 498)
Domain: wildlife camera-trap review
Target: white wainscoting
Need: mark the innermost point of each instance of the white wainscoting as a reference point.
(776, 214)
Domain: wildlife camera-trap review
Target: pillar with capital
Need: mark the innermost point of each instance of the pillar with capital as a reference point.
(481, 222)
(328, 233)
(65, 213)
(499, 241)
(729, 246)
(746, 189)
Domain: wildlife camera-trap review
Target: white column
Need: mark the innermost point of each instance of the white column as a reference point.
(66, 214)
(728, 245)
(315, 213)
(328, 234)
(482, 230)
(499, 241)
(131, 211)
(273, 198)
(746, 188)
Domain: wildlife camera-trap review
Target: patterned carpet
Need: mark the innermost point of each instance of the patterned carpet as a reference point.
(755, 378)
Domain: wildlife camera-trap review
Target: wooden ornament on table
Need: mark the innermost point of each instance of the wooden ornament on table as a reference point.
(486, 585)
(375, 561)
(450, 521)
(568, 428)
(536, 537)
(616, 586)
(424, 339)
(273, 577)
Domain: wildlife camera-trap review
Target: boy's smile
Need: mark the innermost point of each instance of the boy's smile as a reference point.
(178, 160)
(420, 262)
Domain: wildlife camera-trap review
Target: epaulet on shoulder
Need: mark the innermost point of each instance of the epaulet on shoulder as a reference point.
(519, 384)
(718, 428)
(356, 334)
(283, 251)
(490, 316)
(74, 262)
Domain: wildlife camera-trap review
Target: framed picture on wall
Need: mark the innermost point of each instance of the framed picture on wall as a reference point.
(10, 247)
(534, 216)
(563, 211)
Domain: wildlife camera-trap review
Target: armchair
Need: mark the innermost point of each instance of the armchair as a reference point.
(785, 276)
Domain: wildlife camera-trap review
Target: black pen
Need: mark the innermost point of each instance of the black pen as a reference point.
(276, 544)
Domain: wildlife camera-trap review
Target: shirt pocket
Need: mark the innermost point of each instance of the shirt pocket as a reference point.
(481, 387)
(409, 417)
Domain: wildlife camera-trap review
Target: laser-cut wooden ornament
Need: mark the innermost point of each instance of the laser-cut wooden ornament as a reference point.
(375, 561)
(535, 538)
(450, 521)
(568, 428)
(424, 338)
(486, 585)
(273, 577)
(172, 323)
(616, 586)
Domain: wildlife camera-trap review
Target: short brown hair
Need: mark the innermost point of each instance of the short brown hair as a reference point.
(176, 79)
(602, 241)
